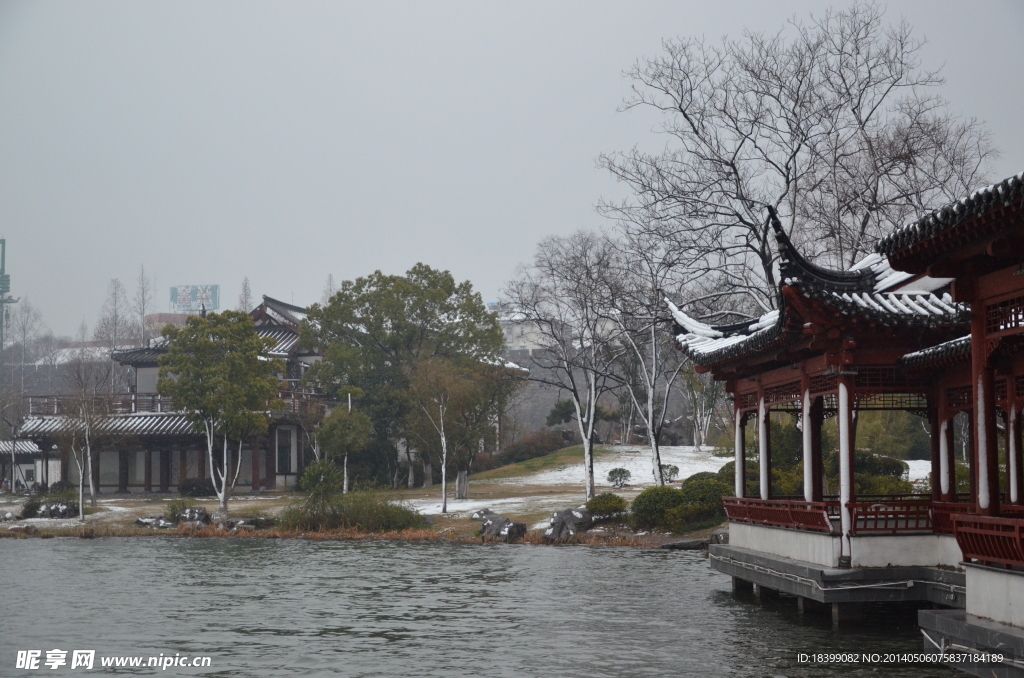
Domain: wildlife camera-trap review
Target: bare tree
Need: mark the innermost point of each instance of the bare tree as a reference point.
(142, 304)
(85, 415)
(830, 121)
(115, 327)
(26, 326)
(646, 266)
(560, 299)
(329, 289)
(245, 298)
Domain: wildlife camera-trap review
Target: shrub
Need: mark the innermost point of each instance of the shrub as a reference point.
(62, 495)
(194, 487)
(31, 507)
(618, 477)
(649, 507)
(701, 504)
(703, 475)
(323, 477)
(63, 486)
(670, 472)
(176, 507)
(360, 510)
(531, 446)
(607, 506)
(707, 491)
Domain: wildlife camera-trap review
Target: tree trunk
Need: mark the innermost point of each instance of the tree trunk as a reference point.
(344, 485)
(462, 485)
(428, 474)
(81, 492)
(444, 480)
(588, 464)
(412, 475)
(92, 484)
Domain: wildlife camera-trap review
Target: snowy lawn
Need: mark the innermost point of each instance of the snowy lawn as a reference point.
(636, 460)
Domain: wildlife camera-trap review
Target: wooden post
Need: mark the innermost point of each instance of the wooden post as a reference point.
(972, 465)
(201, 464)
(764, 462)
(1014, 472)
(936, 453)
(846, 494)
(271, 460)
(817, 465)
(808, 441)
(95, 469)
(740, 454)
(122, 471)
(182, 465)
(254, 445)
(165, 470)
(148, 471)
(985, 450)
(1015, 467)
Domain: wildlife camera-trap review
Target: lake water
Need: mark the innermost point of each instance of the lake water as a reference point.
(296, 608)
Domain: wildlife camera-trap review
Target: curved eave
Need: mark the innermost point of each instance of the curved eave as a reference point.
(947, 354)
(947, 228)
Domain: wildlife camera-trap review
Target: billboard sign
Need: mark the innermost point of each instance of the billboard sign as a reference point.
(194, 298)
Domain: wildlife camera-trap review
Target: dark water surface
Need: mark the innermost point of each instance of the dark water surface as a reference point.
(297, 608)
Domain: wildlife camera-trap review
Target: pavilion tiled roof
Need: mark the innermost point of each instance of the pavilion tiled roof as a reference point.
(947, 353)
(869, 291)
(142, 424)
(1008, 191)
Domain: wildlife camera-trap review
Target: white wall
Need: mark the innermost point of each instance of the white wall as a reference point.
(809, 547)
(995, 594)
(886, 550)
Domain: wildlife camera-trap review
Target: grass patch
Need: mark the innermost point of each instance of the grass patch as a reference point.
(564, 457)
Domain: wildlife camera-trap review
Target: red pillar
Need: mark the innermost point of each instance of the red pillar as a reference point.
(148, 471)
(817, 419)
(986, 471)
(934, 435)
(165, 470)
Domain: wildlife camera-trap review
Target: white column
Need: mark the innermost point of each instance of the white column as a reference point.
(762, 447)
(1011, 450)
(943, 457)
(845, 481)
(981, 433)
(808, 452)
(739, 454)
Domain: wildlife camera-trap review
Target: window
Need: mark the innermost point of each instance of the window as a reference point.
(284, 450)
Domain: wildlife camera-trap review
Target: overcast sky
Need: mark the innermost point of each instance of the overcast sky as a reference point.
(285, 141)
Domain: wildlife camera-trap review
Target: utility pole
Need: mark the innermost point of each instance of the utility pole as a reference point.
(5, 300)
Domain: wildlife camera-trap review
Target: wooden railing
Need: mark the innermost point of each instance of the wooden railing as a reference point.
(113, 403)
(803, 515)
(990, 541)
(943, 512)
(295, 401)
(890, 516)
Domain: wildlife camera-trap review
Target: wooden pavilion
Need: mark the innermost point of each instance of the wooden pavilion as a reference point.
(933, 324)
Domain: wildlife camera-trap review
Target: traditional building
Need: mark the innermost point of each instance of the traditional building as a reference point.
(932, 324)
(145, 446)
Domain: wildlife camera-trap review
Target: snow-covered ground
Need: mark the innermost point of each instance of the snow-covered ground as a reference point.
(919, 469)
(636, 460)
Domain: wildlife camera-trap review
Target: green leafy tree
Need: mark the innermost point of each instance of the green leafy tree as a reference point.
(373, 330)
(344, 432)
(218, 372)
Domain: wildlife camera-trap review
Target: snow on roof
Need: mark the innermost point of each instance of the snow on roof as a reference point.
(953, 350)
(870, 289)
(930, 225)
